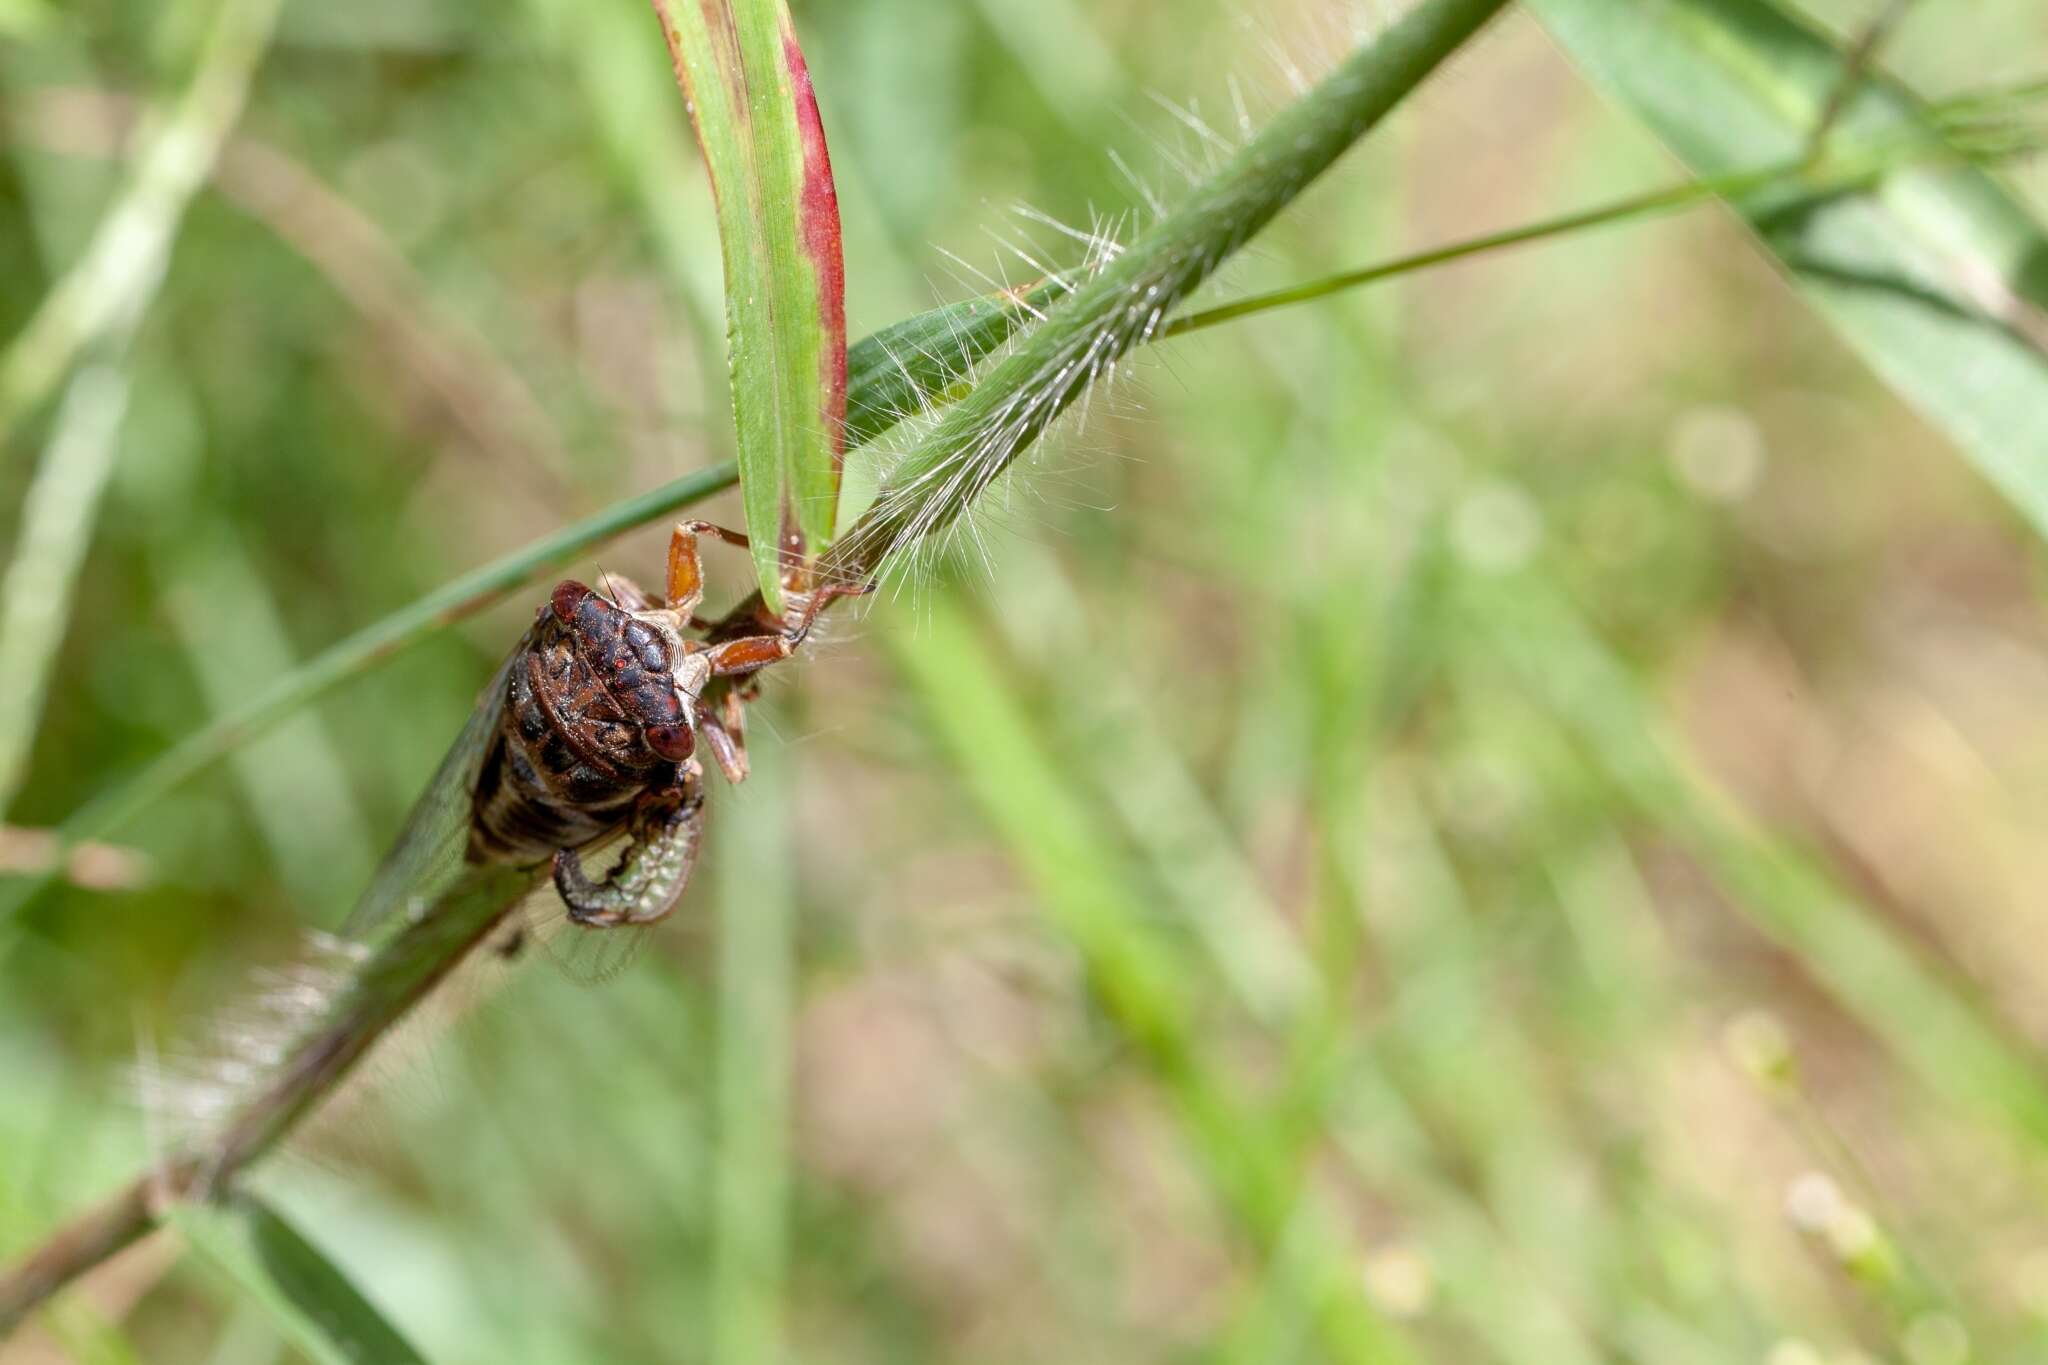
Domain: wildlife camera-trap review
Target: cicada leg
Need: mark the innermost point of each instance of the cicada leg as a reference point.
(685, 578)
(725, 733)
(750, 653)
(650, 876)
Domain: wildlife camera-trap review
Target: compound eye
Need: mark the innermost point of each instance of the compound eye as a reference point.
(568, 596)
(673, 742)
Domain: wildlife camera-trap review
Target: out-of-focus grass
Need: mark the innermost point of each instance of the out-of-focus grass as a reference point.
(1240, 924)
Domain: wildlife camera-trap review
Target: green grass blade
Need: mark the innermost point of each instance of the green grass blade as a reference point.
(322, 1292)
(311, 1301)
(757, 915)
(1148, 986)
(104, 296)
(1935, 275)
(1128, 302)
(337, 1034)
(87, 323)
(57, 518)
(749, 94)
(1930, 1022)
(893, 374)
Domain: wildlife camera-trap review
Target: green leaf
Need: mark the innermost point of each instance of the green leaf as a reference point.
(1935, 275)
(323, 1293)
(1145, 980)
(1935, 1024)
(750, 1210)
(892, 374)
(749, 95)
(312, 1301)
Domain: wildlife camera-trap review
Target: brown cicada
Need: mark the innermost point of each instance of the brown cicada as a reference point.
(593, 728)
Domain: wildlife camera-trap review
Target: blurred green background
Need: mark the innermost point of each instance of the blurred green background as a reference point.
(1448, 824)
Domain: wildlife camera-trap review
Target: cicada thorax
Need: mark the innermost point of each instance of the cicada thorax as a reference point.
(599, 710)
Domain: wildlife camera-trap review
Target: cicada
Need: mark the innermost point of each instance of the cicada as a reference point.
(593, 728)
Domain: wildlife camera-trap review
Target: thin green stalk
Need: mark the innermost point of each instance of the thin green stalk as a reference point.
(757, 913)
(1669, 199)
(1147, 988)
(1930, 1021)
(56, 527)
(1128, 301)
(1841, 171)
(340, 1035)
(1856, 66)
(93, 314)
(106, 293)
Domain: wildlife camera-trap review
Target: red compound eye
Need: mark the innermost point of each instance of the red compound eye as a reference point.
(568, 595)
(672, 742)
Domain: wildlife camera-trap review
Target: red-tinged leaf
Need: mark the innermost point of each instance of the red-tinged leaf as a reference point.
(819, 227)
(756, 115)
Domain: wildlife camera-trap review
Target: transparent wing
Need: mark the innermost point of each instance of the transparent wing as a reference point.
(427, 856)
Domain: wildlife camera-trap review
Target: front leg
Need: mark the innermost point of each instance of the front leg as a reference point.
(651, 875)
(733, 655)
(685, 580)
(725, 733)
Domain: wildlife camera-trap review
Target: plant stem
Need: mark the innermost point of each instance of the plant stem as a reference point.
(377, 995)
(756, 988)
(1856, 65)
(1666, 200)
(105, 294)
(94, 313)
(1840, 173)
(1127, 302)
(56, 527)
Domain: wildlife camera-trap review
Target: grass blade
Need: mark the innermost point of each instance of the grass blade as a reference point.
(749, 94)
(337, 1035)
(1147, 986)
(1935, 275)
(309, 1298)
(57, 519)
(1931, 1023)
(757, 914)
(323, 1293)
(92, 316)
(106, 293)
(1128, 302)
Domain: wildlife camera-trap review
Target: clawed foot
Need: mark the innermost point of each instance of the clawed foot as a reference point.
(650, 876)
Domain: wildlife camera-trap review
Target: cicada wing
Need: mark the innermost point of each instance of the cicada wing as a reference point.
(427, 857)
